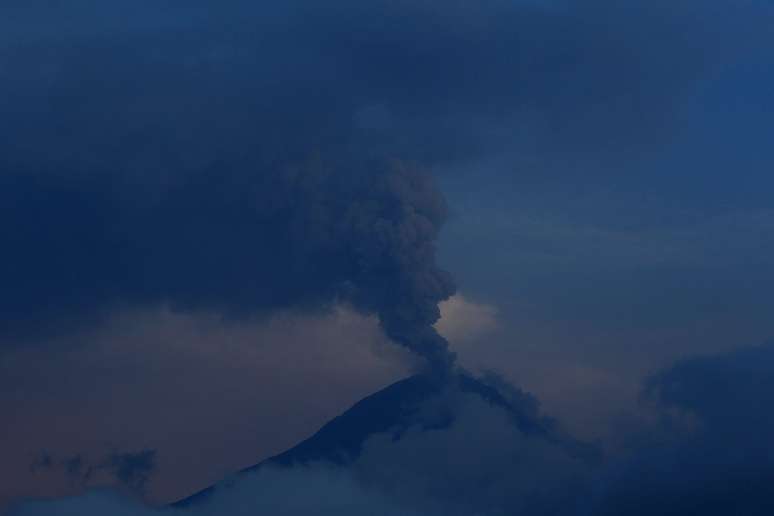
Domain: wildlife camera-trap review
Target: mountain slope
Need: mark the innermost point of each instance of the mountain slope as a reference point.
(415, 402)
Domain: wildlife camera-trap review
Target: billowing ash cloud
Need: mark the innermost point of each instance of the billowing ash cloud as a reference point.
(205, 172)
(239, 239)
(161, 155)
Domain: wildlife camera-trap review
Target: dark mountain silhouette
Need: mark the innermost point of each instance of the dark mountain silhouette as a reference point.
(397, 408)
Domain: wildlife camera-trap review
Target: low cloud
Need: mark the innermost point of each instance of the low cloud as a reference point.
(302, 492)
(478, 462)
(711, 452)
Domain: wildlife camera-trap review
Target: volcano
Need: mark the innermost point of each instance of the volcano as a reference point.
(418, 404)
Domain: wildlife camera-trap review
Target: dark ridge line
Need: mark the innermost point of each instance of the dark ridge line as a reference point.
(393, 410)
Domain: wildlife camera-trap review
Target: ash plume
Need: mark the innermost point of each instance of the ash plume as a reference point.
(394, 229)
(243, 240)
(158, 167)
